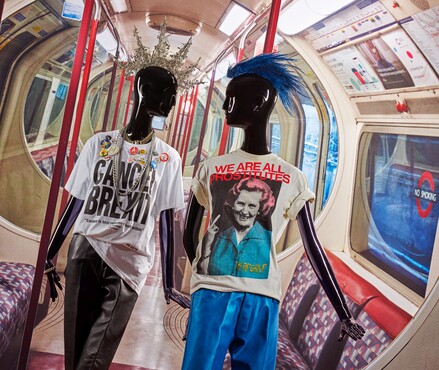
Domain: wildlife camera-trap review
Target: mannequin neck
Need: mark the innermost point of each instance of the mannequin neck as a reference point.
(139, 127)
(255, 139)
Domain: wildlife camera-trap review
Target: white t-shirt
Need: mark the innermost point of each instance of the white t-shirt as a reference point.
(250, 199)
(124, 240)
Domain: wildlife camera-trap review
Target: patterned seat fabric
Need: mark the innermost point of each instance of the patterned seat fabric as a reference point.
(303, 279)
(357, 354)
(317, 340)
(288, 357)
(15, 290)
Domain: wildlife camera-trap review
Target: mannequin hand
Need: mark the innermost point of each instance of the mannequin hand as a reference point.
(351, 328)
(209, 237)
(171, 294)
(211, 231)
(53, 279)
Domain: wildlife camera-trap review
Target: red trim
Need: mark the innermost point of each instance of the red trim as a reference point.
(388, 316)
(79, 110)
(56, 180)
(119, 93)
(272, 26)
(384, 313)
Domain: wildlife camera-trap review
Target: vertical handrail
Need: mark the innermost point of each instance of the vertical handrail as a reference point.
(119, 93)
(113, 72)
(189, 129)
(130, 93)
(177, 144)
(54, 186)
(177, 118)
(81, 102)
(186, 126)
(206, 113)
(109, 97)
(272, 26)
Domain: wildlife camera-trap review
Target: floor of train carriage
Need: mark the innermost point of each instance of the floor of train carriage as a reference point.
(152, 340)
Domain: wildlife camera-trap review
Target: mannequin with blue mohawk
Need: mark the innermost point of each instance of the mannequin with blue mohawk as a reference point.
(250, 194)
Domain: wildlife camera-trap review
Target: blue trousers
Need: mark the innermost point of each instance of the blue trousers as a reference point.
(245, 324)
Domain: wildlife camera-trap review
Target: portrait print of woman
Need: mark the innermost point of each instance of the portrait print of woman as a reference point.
(243, 248)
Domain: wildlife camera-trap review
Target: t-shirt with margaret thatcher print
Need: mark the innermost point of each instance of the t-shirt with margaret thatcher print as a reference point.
(250, 199)
(125, 240)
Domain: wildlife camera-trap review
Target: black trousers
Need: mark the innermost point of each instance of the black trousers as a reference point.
(97, 307)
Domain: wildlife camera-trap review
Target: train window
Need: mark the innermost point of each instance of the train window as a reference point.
(395, 197)
(31, 125)
(332, 145)
(274, 137)
(312, 139)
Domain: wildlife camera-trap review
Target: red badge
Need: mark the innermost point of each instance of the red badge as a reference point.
(164, 157)
(134, 150)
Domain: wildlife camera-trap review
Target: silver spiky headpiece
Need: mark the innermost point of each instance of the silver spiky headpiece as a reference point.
(161, 57)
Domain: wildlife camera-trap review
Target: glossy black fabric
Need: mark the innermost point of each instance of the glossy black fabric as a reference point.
(94, 295)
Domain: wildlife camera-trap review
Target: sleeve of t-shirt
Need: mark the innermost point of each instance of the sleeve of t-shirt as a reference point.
(297, 200)
(171, 194)
(199, 186)
(79, 178)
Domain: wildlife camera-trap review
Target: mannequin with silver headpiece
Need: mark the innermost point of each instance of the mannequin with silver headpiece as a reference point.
(120, 185)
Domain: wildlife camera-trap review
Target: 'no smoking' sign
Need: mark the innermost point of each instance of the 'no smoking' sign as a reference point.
(427, 194)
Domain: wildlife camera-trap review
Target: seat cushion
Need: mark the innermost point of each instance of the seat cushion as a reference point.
(288, 357)
(15, 290)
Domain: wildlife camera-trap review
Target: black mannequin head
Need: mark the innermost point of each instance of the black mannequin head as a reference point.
(252, 94)
(250, 99)
(155, 89)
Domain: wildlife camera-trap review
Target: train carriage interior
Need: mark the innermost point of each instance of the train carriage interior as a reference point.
(364, 130)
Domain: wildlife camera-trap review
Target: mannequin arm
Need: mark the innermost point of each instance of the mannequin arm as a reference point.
(192, 227)
(62, 229)
(166, 229)
(325, 274)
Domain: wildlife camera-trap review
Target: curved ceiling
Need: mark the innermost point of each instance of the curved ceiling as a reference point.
(207, 44)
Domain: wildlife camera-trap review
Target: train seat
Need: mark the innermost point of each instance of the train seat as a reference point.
(15, 290)
(309, 326)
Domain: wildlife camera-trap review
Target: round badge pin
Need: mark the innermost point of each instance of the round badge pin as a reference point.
(164, 157)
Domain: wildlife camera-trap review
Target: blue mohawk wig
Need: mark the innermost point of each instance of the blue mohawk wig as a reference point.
(275, 68)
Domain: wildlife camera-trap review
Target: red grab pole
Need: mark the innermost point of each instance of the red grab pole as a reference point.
(272, 26)
(177, 120)
(119, 93)
(186, 126)
(181, 125)
(80, 107)
(206, 115)
(54, 186)
(109, 97)
(189, 128)
(131, 79)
